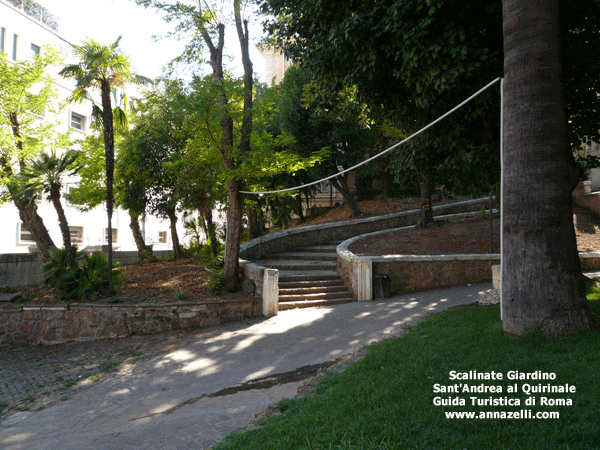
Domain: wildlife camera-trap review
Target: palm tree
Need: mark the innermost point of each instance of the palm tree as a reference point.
(103, 67)
(44, 174)
(542, 286)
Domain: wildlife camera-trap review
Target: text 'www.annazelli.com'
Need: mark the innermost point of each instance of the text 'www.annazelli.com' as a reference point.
(521, 414)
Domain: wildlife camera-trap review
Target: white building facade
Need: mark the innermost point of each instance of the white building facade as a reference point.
(25, 28)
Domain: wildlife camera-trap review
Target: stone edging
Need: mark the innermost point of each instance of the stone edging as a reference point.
(40, 324)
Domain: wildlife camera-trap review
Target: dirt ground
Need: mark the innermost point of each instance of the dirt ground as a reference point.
(472, 236)
(186, 280)
(181, 280)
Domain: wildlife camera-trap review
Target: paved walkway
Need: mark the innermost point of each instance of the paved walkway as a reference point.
(198, 387)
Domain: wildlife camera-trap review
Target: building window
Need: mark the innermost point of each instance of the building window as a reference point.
(162, 237)
(115, 235)
(67, 192)
(14, 48)
(2, 34)
(25, 236)
(323, 188)
(76, 235)
(77, 121)
(35, 50)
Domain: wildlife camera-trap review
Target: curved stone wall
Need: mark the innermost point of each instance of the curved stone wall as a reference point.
(409, 273)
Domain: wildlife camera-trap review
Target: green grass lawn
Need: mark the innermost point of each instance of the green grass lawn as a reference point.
(385, 401)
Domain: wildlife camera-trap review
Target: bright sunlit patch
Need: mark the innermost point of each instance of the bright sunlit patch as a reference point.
(411, 305)
(259, 373)
(365, 314)
(205, 366)
(17, 438)
(244, 344)
(120, 392)
(180, 355)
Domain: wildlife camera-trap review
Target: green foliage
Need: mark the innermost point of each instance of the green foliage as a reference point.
(412, 61)
(181, 294)
(77, 278)
(28, 92)
(216, 282)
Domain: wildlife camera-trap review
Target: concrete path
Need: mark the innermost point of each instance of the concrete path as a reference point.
(191, 396)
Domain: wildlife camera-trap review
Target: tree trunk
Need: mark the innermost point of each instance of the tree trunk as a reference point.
(62, 220)
(35, 225)
(177, 252)
(233, 236)
(109, 153)
(253, 221)
(342, 186)
(426, 217)
(144, 251)
(542, 285)
(210, 228)
(26, 206)
(387, 180)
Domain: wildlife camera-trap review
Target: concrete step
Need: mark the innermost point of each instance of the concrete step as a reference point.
(305, 256)
(311, 289)
(294, 265)
(312, 303)
(322, 248)
(314, 296)
(334, 282)
(307, 276)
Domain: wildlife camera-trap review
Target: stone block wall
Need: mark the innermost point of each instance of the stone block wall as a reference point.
(410, 273)
(19, 269)
(590, 262)
(24, 324)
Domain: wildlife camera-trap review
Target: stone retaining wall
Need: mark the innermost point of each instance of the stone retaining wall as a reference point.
(419, 273)
(35, 324)
(409, 273)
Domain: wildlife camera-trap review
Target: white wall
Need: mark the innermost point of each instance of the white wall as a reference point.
(31, 31)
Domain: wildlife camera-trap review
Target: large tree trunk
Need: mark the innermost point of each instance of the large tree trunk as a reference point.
(177, 251)
(342, 186)
(233, 236)
(542, 285)
(35, 225)
(426, 216)
(62, 220)
(109, 153)
(144, 251)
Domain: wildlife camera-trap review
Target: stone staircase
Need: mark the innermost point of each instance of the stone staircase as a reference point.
(308, 277)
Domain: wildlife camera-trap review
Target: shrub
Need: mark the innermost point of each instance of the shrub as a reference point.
(216, 282)
(78, 277)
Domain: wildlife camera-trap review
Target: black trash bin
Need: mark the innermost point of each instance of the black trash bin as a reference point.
(381, 286)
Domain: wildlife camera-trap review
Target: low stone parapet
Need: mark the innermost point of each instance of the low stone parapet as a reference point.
(36, 324)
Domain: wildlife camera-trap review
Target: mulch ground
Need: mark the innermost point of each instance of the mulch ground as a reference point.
(163, 281)
(472, 236)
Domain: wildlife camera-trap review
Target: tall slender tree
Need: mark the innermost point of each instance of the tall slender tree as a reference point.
(45, 174)
(542, 285)
(103, 67)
